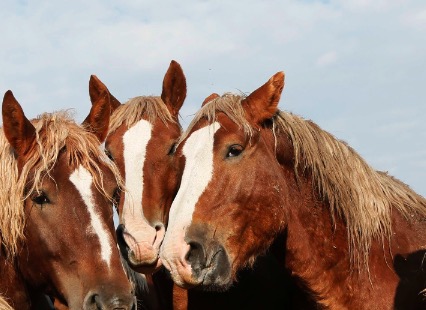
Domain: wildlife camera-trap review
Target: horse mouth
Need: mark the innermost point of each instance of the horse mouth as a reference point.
(142, 267)
(141, 257)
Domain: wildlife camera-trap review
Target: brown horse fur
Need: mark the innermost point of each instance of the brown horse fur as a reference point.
(354, 237)
(40, 224)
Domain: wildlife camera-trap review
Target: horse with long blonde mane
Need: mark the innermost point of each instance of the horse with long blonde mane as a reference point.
(56, 221)
(253, 176)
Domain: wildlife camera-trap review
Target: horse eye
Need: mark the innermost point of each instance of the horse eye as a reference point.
(108, 153)
(234, 150)
(40, 199)
(172, 149)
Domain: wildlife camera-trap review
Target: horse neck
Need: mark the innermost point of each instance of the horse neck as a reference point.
(318, 256)
(313, 246)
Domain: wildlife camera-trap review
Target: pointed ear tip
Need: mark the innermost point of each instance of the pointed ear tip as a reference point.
(94, 78)
(174, 64)
(8, 95)
(279, 76)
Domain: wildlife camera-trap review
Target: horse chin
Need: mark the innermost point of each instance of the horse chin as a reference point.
(206, 279)
(146, 268)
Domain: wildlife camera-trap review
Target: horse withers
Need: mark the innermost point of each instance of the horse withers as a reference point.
(56, 220)
(255, 176)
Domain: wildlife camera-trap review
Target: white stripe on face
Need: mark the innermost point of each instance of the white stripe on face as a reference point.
(198, 171)
(135, 142)
(82, 180)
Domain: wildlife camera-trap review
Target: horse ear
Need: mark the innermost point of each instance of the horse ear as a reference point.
(18, 130)
(96, 87)
(174, 88)
(262, 104)
(98, 119)
(210, 98)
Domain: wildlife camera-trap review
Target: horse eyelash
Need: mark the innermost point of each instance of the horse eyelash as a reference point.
(109, 155)
(40, 199)
(172, 149)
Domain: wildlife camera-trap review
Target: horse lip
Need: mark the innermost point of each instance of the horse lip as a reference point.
(145, 268)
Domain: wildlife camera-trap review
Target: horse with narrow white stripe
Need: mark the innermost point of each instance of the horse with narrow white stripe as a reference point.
(56, 219)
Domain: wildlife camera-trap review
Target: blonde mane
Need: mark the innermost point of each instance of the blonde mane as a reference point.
(361, 196)
(55, 133)
(135, 109)
(4, 305)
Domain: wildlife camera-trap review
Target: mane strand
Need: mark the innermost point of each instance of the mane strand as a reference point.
(137, 108)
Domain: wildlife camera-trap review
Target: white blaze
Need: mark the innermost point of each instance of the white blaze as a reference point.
(135, 142)
(198, 171)
(82, 180)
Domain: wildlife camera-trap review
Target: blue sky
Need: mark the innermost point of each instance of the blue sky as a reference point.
(357, 68)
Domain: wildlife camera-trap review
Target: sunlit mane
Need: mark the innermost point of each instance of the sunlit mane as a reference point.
(143, 107)
(4, 305)
(363, 197)
(55, 133)
(229, 104)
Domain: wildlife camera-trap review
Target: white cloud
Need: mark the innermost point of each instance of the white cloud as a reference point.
(327, 59)
(416, 19)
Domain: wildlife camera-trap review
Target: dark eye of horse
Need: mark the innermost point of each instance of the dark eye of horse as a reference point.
(108, 153)
(234, 150)
(172, 149)
(40, 198)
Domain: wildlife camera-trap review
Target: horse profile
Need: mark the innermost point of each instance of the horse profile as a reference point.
(56, 221)
(258, 179)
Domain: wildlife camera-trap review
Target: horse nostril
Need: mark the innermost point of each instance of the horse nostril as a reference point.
(196, 256)
(159, 226)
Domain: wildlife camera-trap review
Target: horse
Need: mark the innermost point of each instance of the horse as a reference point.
(142, 137)
(258, 179)
(56, 222)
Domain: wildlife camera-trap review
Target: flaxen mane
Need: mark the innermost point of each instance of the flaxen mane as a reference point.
(55, 133)
(358, 194)
(148, 107)
(4, 305)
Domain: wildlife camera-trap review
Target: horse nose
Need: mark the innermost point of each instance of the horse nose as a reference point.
(209, 264)
(102, 300)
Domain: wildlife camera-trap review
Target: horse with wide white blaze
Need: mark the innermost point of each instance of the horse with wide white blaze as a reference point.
(253, 176)
(56, 219)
